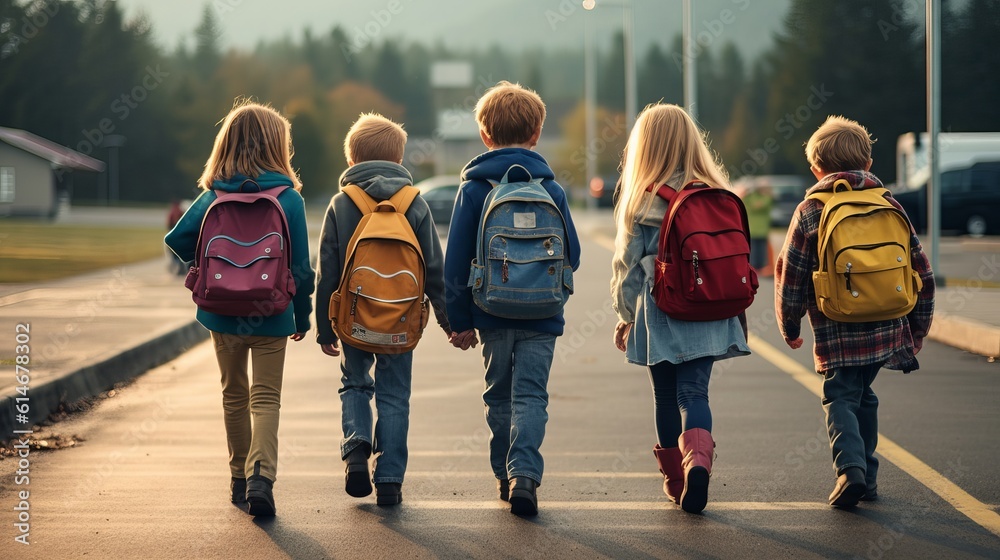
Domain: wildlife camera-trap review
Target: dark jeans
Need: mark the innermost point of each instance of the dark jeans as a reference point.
(758, 252)
(852, 418)
(680, 398)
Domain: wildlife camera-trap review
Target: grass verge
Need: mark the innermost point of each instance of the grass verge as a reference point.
(31, 251)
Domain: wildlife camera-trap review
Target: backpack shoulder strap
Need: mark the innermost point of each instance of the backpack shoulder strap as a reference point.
(360, 198)
(404, 197)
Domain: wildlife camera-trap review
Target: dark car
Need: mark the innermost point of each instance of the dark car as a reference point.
(970, 200)
(439, 192)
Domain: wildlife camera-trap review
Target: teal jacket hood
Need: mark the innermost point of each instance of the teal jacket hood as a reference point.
(380, 179)
(266, 180)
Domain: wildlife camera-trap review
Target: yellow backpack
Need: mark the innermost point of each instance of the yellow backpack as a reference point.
(380, 305)
(865, 271)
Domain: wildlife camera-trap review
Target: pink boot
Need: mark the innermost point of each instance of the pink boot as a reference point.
(669, 460)
(698, 449)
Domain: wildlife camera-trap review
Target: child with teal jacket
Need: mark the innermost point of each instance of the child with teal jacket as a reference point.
(253, 143)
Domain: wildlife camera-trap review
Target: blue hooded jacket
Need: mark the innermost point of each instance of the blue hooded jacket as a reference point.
(463, 313)
(184, 237)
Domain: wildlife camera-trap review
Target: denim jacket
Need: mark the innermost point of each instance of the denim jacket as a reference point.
(655, 337)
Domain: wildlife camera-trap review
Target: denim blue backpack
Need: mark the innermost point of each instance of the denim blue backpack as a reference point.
(521, 270)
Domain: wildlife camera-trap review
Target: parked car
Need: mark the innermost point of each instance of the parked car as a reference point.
(970, 200)
(439, 192)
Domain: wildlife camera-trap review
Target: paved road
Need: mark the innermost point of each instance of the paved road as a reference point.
(149, 479)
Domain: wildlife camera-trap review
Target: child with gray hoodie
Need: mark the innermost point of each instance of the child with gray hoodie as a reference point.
(374, 149)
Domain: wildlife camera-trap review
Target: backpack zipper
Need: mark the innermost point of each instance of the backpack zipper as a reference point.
(694, 261)
(354, 304)
(504, 270)
(847, 275)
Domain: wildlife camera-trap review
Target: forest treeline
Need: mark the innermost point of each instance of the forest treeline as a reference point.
(77, 71)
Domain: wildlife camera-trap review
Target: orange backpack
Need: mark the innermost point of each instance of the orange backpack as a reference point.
(380, 305)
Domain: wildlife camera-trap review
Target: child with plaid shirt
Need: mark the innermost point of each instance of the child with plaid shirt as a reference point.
(848, 355)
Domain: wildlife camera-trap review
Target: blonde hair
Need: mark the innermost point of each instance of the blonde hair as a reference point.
(664, 142)
(254, 138)
(510, 114)
(839, 144)
(374, 137)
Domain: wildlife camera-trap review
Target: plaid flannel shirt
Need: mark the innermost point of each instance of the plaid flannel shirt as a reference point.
(893, 343)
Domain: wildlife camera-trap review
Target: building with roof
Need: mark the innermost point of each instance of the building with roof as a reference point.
(36, 173)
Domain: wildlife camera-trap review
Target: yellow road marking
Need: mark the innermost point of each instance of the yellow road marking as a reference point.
(961, 500)
(621, 506)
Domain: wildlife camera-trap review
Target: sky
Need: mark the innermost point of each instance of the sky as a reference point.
(465, 23)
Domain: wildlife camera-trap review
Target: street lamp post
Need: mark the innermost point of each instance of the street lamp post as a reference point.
(690, 62)
(933, 34)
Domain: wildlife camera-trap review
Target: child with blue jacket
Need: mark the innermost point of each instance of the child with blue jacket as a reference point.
(254, 143)
(517, 352)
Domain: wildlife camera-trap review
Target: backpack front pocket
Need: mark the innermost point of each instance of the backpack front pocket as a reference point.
(872, 277)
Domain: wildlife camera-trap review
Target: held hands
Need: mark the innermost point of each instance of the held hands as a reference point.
(297, 336)
(464, 340)
(330, 349)
(621, 333)
(794, 344)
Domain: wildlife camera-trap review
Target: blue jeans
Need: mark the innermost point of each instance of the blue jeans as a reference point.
(852, 418)
(517, 376)
(680, 398)
(391, 389)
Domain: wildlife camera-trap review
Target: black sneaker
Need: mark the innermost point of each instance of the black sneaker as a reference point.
(871, 494)
(260, 498)
(238, 489)
(388, 493)
(849, 489)
(523, 496)
(357, 481)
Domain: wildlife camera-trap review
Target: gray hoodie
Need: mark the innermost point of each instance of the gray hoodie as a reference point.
(381, 180)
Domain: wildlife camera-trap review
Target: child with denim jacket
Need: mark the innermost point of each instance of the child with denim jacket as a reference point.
(666, 148)
(374, 149)
(518, 353)
(848, 355)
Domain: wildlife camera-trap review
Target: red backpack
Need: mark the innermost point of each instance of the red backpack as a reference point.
(703, 270)
(242, 258)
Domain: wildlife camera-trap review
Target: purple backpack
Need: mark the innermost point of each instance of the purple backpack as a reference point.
(242, 258)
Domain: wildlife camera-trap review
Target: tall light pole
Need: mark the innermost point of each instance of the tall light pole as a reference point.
(933, 35)
(590, 79)
(690, 62)
(589, 106)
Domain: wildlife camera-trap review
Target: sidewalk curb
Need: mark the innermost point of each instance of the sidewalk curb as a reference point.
(966, 334)
(101, 375)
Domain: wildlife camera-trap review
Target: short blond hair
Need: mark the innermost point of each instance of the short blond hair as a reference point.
(839, 144)
(510, 114)
(374, 137)
(253, 138)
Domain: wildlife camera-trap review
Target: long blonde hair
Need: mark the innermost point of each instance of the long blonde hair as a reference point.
(254, 138)
(664, 142)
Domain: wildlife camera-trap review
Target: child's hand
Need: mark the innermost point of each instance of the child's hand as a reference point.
(298, 336)
(464, 340)
(794, 344)
(621, 333)
(330, 349)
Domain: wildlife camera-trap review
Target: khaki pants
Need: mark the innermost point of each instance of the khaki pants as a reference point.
(251, 411)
